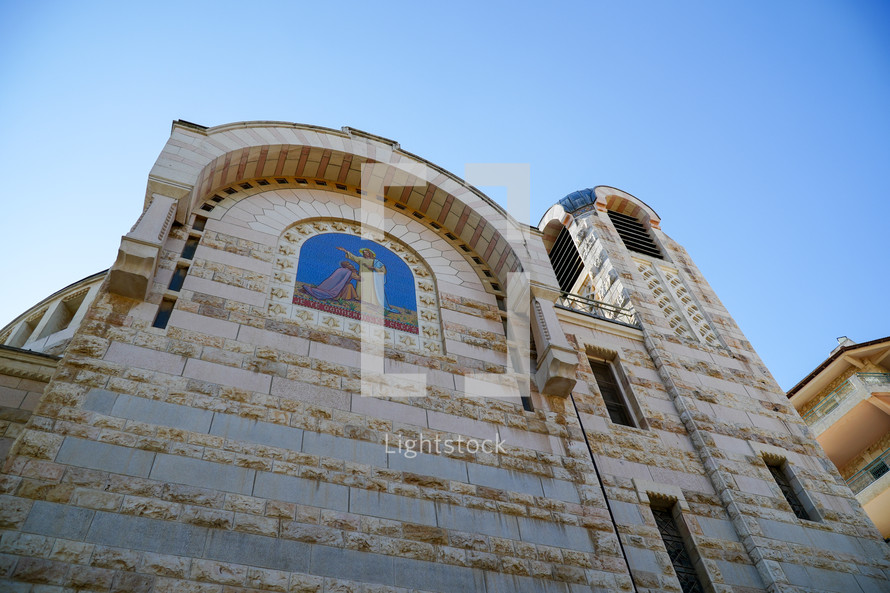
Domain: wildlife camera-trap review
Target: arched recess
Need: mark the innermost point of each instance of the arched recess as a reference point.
(199, 163)
(296, 296)
(616, 200)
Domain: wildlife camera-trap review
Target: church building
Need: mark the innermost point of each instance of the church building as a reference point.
(320, 363)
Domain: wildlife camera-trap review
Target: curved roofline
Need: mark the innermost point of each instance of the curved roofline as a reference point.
(590, 193)
(198, 161)
(345, 132)
(51, 297)
(648, 207)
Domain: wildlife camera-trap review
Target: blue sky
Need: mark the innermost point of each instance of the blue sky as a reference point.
(759, 131)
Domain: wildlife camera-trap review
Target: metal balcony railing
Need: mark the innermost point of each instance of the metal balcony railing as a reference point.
(870, 473)
(598, 309)
(834, 399)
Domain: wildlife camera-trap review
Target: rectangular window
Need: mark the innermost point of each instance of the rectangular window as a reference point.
(178, 278)
(610, 389)
(200, 221)
(677, 550)
(163, 315)
(780, 475)
(191, 245)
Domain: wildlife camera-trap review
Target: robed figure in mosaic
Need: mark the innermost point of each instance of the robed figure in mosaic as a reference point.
(338, 285)
(368, 261)
(341, 274)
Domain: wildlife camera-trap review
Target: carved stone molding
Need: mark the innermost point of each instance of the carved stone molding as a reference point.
(24, 364)
(557, 360)
(137, 258)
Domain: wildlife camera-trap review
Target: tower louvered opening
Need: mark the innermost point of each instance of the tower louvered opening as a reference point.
(565, 260)
(634, 235)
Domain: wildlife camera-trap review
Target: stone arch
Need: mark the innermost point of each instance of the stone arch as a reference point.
(272, 211)
(552, 223)
(200, 162)
(616, 200)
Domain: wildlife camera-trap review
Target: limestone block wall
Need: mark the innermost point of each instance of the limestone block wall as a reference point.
(232, 450)
(715, 418)
(23, 379)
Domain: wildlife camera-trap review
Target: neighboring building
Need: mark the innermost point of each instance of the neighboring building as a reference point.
(228, 414)
(846, 403)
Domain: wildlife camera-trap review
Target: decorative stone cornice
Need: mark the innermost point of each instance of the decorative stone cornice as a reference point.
(25, 364)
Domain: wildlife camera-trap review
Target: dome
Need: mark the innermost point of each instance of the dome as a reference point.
(578, 199)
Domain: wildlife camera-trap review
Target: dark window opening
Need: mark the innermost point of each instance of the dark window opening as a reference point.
(163, 315)
(879, 470)
(178, 278)
(200, 221)
(565, 260)
(634, 235)
(610, 389)
(781, 477)
(191, 245)
(676, 549)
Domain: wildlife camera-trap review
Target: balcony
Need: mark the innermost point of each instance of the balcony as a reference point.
(870, 473)
(861, 384)
(871, 485)
(598, 309)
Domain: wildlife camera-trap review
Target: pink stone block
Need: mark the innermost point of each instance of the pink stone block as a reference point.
(310, 393)
(270, 339)
(145, 358)
(226, 291)
(224, 375)
(203, 324)
(389, 410)
(531, 440)
(461, 425)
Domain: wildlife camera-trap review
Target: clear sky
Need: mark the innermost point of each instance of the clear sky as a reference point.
(758, 130)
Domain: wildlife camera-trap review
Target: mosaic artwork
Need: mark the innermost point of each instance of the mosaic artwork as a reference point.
(337, 271)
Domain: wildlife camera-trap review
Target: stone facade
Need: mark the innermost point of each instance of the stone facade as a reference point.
(202, 432)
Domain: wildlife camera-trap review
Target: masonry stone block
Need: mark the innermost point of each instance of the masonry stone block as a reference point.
(416, 574)
(302, 491)
(257, 550)
(145, 358)
(204, 474)
(105, 456)
(100, 400)
(477, 521)
(162, 413)
(255, 431)
(316, 443)
(431, 465)
(392, 506)
(506, 479)
(352, 564)
(150, 535)
(57, 520)
(555, 534)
